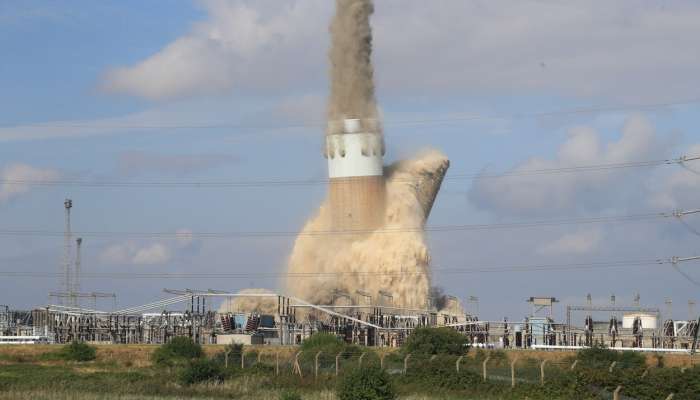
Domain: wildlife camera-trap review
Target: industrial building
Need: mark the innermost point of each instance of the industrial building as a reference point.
(190, 313)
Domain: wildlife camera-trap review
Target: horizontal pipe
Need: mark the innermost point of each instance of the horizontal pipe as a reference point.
(640, 349)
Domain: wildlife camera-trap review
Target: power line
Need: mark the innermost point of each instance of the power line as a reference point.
(677, 260)
(434, 228)
(241, 275)
(311, 182)
(322, 124)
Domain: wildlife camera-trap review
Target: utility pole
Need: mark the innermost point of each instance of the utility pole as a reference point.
(76, 273)
(67, 239)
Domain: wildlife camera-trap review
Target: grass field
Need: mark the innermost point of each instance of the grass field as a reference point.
(127, 372)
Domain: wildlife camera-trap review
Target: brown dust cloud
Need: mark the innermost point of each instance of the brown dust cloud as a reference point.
(393, 258)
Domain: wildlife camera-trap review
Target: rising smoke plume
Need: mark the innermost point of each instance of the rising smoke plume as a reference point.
(394, 258)
(352, 75)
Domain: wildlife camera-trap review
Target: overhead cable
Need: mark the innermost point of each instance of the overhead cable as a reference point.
(320, 274)
(256, 234)
(322, 124)
(312, 182)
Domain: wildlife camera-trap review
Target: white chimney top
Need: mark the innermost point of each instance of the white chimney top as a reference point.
(351, 126)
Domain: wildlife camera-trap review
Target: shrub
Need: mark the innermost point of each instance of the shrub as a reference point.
(441, 374)
(370, 383)
(329, 345)
(326, 342)
(436, 341)
(600, 356)
(78, 351)
(201, 370)
(178, 351)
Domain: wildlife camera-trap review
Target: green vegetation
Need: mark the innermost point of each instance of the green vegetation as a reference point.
(77, 351)
(179, 351)
(370, 383)
(290, 395)
(328, 344)
(441, 374)
(201, 370)
(600, 355)
(436, 341)
(629, 372)
(188, 373)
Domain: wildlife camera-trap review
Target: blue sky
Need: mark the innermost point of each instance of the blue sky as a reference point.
(235, 90)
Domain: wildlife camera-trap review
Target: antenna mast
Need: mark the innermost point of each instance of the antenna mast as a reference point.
(76, 273)
(67, 236)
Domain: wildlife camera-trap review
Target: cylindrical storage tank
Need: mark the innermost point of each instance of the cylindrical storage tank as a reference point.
(649, 320)
(356, 171)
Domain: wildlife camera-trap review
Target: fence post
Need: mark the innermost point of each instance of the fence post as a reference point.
(277, 363)
(670, 397)
(381, 360)
(405, 363)
(337, 363)
(512, 372)
(574, 364)
(242, 359)
(360, 360)
(259, 355)
(646, 372)
(459, 361)
(612, 366)
(316, 365)
(542, 372)
(226, 353)
(483, 366)
(297, 367)
(433, 357)
(616, 393)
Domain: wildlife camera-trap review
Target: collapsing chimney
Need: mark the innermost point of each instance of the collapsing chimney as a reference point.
(356, 171)
(389, 206)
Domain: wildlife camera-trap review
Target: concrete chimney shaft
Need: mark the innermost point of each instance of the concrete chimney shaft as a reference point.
(356, 171)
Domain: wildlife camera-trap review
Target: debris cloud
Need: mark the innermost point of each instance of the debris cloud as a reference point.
(394, 258)
(351, 72)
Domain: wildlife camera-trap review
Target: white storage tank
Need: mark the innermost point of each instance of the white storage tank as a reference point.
(649, 320)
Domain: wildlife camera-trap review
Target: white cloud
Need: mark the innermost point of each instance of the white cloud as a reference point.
(117, 253)
(156, 252)
(187, 116)
(240, 42)
(15, 178)
(564, 192)
(84, 128)
(132, 253)
(616, 49)
(577, 243)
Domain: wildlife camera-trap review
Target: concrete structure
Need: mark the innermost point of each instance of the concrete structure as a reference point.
(240, 338)
(356, 170)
